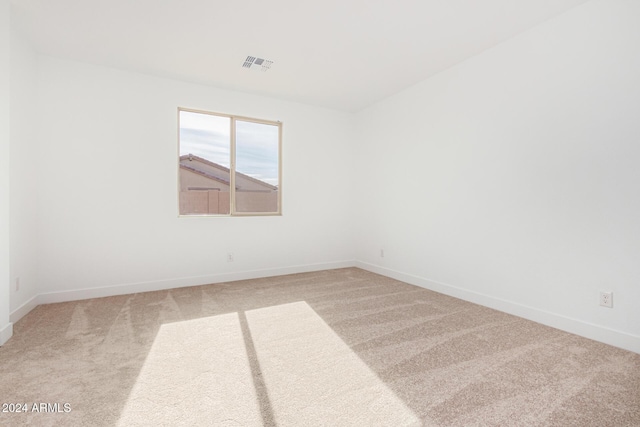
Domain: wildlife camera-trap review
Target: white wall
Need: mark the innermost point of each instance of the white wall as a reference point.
(509, 180)
(513, 179)
(5, 325)
(24, 171)
(107, 183)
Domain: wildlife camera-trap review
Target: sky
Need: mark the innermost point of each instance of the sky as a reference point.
(209, 136)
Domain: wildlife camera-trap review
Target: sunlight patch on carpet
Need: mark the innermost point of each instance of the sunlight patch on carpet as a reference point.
(314, 378)
(279, 365)
(196, 373)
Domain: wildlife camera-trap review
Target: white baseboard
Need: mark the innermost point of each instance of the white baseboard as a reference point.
(584, 329)
(578, 327)
(159, 285)
(5, 333)
(25, 308)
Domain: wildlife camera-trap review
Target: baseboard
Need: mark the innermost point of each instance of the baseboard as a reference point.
(584, 329)
(6, 333)
(567, 324)
(159, 285)
(24, 309)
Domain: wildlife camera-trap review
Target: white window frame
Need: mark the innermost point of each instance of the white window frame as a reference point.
(232, 167)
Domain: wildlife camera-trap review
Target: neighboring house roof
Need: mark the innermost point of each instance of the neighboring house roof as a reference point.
(205, 174)
(190, 162)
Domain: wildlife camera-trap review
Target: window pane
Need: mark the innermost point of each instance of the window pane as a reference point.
(205, 157)
(257, 167)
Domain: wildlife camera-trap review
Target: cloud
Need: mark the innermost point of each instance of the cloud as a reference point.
(208, 136)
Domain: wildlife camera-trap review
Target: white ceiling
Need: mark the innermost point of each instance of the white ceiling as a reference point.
(343, 54)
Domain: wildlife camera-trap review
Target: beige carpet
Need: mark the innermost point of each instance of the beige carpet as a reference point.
(332, 348)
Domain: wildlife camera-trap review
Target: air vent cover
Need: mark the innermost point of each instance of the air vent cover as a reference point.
(258, 64)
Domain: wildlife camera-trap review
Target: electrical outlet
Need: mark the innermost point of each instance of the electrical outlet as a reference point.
(230, 257)
(17, 284)
(606, 299)
(381, 253)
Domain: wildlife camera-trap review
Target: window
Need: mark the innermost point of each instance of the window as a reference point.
(229, 165)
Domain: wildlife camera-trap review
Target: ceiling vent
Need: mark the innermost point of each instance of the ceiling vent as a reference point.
(258, 64)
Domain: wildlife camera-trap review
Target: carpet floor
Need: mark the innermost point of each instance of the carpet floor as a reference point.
(332, 348)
